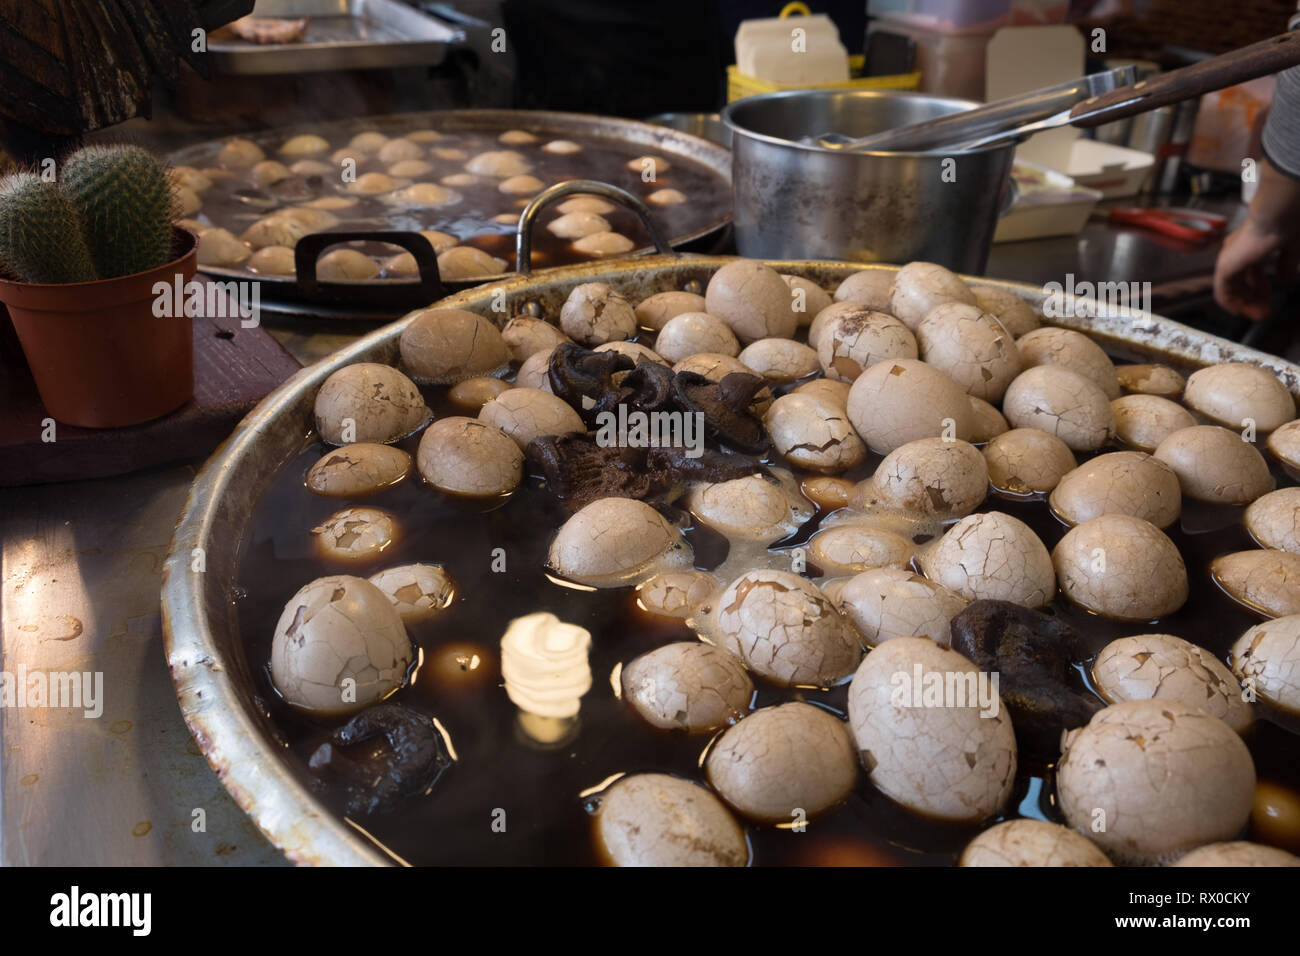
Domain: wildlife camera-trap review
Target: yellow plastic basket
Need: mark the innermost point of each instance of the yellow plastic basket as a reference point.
(740, 85)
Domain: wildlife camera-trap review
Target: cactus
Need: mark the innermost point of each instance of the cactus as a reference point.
(40, 232)
(127, 206)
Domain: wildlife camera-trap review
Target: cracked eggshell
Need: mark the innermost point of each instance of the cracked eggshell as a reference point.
(1267, 582)
(1027, 461)
(1144, 421)
(693, 332)
(1165, 667)
(1121, 567)
(1273, 520)
(1284, 445)
(851, 548)
(920, 286)
(637, 352)
(1031, 843)
(987, 421)
(470, 458)
(971, 346)
(947, 762)
(355, 534)
(814, 432)
(676, 594)
(1165, 777)
(1237, 853)
(993, 556)
(334, 629)
(783, 759)
(418, 591)
(1061, 402)
(687, 686)
(853, 340)
(869, 288)
(362, 468)
(654, 312)
(525, 335)
(528, 413)
(888, 603)
(1122, 482)
(753, 508)
(785, 629)
(535, 372)
(653, 819)
(1148, 379)
(829, 314)
(1267, 659)
(1216, 465)
(446, 346)
(901, 400)
(378, 402)
(1072, 350)
(1016, 315)
(1232, 393)
(594, 314)
(616, 541)
(753, 300)
(780, 360)
(929, 476)
(813, 299)
(837, 393)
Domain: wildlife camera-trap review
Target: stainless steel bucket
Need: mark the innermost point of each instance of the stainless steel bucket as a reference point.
(801, 201)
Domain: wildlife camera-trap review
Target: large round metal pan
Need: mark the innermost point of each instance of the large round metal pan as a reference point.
(204, 650)
(366, 299)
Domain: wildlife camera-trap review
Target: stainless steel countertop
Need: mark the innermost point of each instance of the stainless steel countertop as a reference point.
(80, 572)
(80, 575)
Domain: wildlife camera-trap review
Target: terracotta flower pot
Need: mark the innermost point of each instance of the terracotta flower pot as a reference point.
(100, 356)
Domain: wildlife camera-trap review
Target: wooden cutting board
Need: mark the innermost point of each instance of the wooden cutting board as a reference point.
(234, 369)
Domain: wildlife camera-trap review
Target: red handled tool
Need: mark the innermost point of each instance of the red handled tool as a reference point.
(1190, 225)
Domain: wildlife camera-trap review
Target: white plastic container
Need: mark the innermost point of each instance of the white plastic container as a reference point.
(1049, 203)
(798, 50)
(1115, 171)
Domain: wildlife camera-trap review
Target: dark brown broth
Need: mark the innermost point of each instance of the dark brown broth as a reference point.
(540, 790)
(470, 219)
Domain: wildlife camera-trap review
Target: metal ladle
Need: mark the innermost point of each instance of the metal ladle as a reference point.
(1088, 101)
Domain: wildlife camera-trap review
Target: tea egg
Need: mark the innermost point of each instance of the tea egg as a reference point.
(783, 764)
(338, 647)
(948, 759)
(1159, 776)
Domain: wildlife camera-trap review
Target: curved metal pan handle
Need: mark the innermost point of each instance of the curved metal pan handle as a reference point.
(591, 187)
(429, 289)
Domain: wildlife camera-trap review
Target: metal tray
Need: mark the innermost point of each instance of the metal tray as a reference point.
(200, 628)
(342, 35)
(364, 300)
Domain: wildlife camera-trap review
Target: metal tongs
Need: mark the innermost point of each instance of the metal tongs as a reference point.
(1088, 101)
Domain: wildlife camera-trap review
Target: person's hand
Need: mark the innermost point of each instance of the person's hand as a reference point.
(1242, 284)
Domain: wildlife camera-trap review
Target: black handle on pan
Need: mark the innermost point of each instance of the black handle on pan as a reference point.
(394, 294)
(590, 187)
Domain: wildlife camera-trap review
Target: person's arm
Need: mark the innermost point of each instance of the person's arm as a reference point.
(1241, 281)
